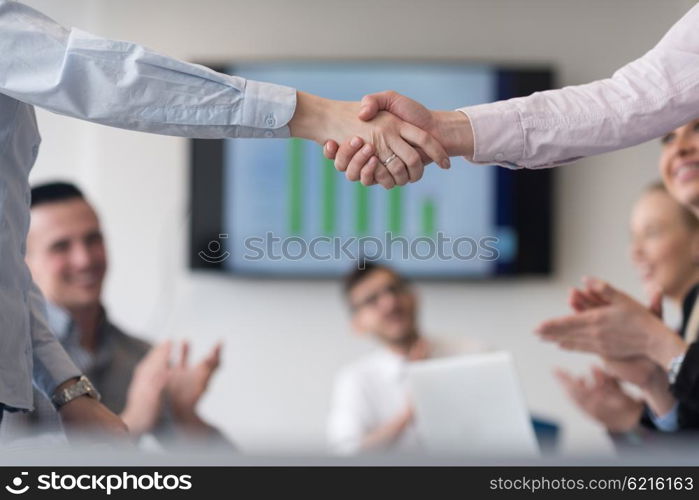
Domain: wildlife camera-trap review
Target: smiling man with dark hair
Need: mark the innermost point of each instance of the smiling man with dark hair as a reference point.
(68, 259)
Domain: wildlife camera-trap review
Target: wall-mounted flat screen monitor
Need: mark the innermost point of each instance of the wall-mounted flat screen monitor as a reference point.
(277, 208)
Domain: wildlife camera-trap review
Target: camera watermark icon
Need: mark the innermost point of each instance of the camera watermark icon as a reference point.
(16, 487)
(213, 253)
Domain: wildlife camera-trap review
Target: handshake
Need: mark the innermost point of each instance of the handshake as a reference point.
(385, 139)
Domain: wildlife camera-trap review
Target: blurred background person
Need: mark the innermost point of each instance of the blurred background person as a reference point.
(370, 407)
(67, 256)
(665, 250)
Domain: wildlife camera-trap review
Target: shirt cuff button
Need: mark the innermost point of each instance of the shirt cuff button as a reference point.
(269, 134)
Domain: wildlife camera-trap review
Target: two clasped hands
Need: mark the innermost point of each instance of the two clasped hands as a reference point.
(385, 139)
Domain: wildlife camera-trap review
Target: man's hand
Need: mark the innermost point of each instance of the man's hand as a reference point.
(622, 328)
(87, 417)
(144, 398)
(386, 435)
(419, 351)
(603, 399)
(155, 377)
(187, 383)
(451, 128)
(395, 142)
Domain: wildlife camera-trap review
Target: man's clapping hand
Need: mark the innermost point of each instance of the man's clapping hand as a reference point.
(157, 379)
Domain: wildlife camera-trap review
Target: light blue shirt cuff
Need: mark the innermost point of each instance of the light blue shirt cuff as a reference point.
(667, 422)
(267, 108)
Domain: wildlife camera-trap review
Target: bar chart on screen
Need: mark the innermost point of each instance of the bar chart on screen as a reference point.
(298, 198)
(329, 220)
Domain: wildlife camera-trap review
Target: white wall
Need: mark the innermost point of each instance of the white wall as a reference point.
(284, 340)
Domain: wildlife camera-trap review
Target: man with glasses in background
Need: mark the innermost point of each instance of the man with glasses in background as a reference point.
(371, 409)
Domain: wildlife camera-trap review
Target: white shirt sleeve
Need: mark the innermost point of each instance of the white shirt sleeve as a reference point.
(125, 85)
(643, 100)
(347, 421)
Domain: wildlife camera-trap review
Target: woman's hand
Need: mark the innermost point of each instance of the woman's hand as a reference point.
(603, 399)
(618, 327)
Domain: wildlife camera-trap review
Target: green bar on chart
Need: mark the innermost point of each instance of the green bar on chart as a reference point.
(428, 217)
(328, 197)
(395, 210)
(295, 186)
(362, 209)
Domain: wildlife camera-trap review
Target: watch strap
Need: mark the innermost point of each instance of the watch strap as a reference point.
(81, 387)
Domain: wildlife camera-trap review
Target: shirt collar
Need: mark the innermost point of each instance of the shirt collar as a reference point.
(59, 320)
(67, 333)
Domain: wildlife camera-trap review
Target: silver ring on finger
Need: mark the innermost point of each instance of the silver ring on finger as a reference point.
(389, 159)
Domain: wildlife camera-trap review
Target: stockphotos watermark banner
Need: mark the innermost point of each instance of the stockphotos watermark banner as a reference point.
(232, 483)
(92, 482)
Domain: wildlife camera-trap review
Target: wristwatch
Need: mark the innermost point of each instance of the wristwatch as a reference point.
(82, 387)
(674, 368)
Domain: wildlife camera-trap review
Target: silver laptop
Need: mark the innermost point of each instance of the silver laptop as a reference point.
(471, 406)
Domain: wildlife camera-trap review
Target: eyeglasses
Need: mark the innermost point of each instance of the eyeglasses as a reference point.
(372, 300)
